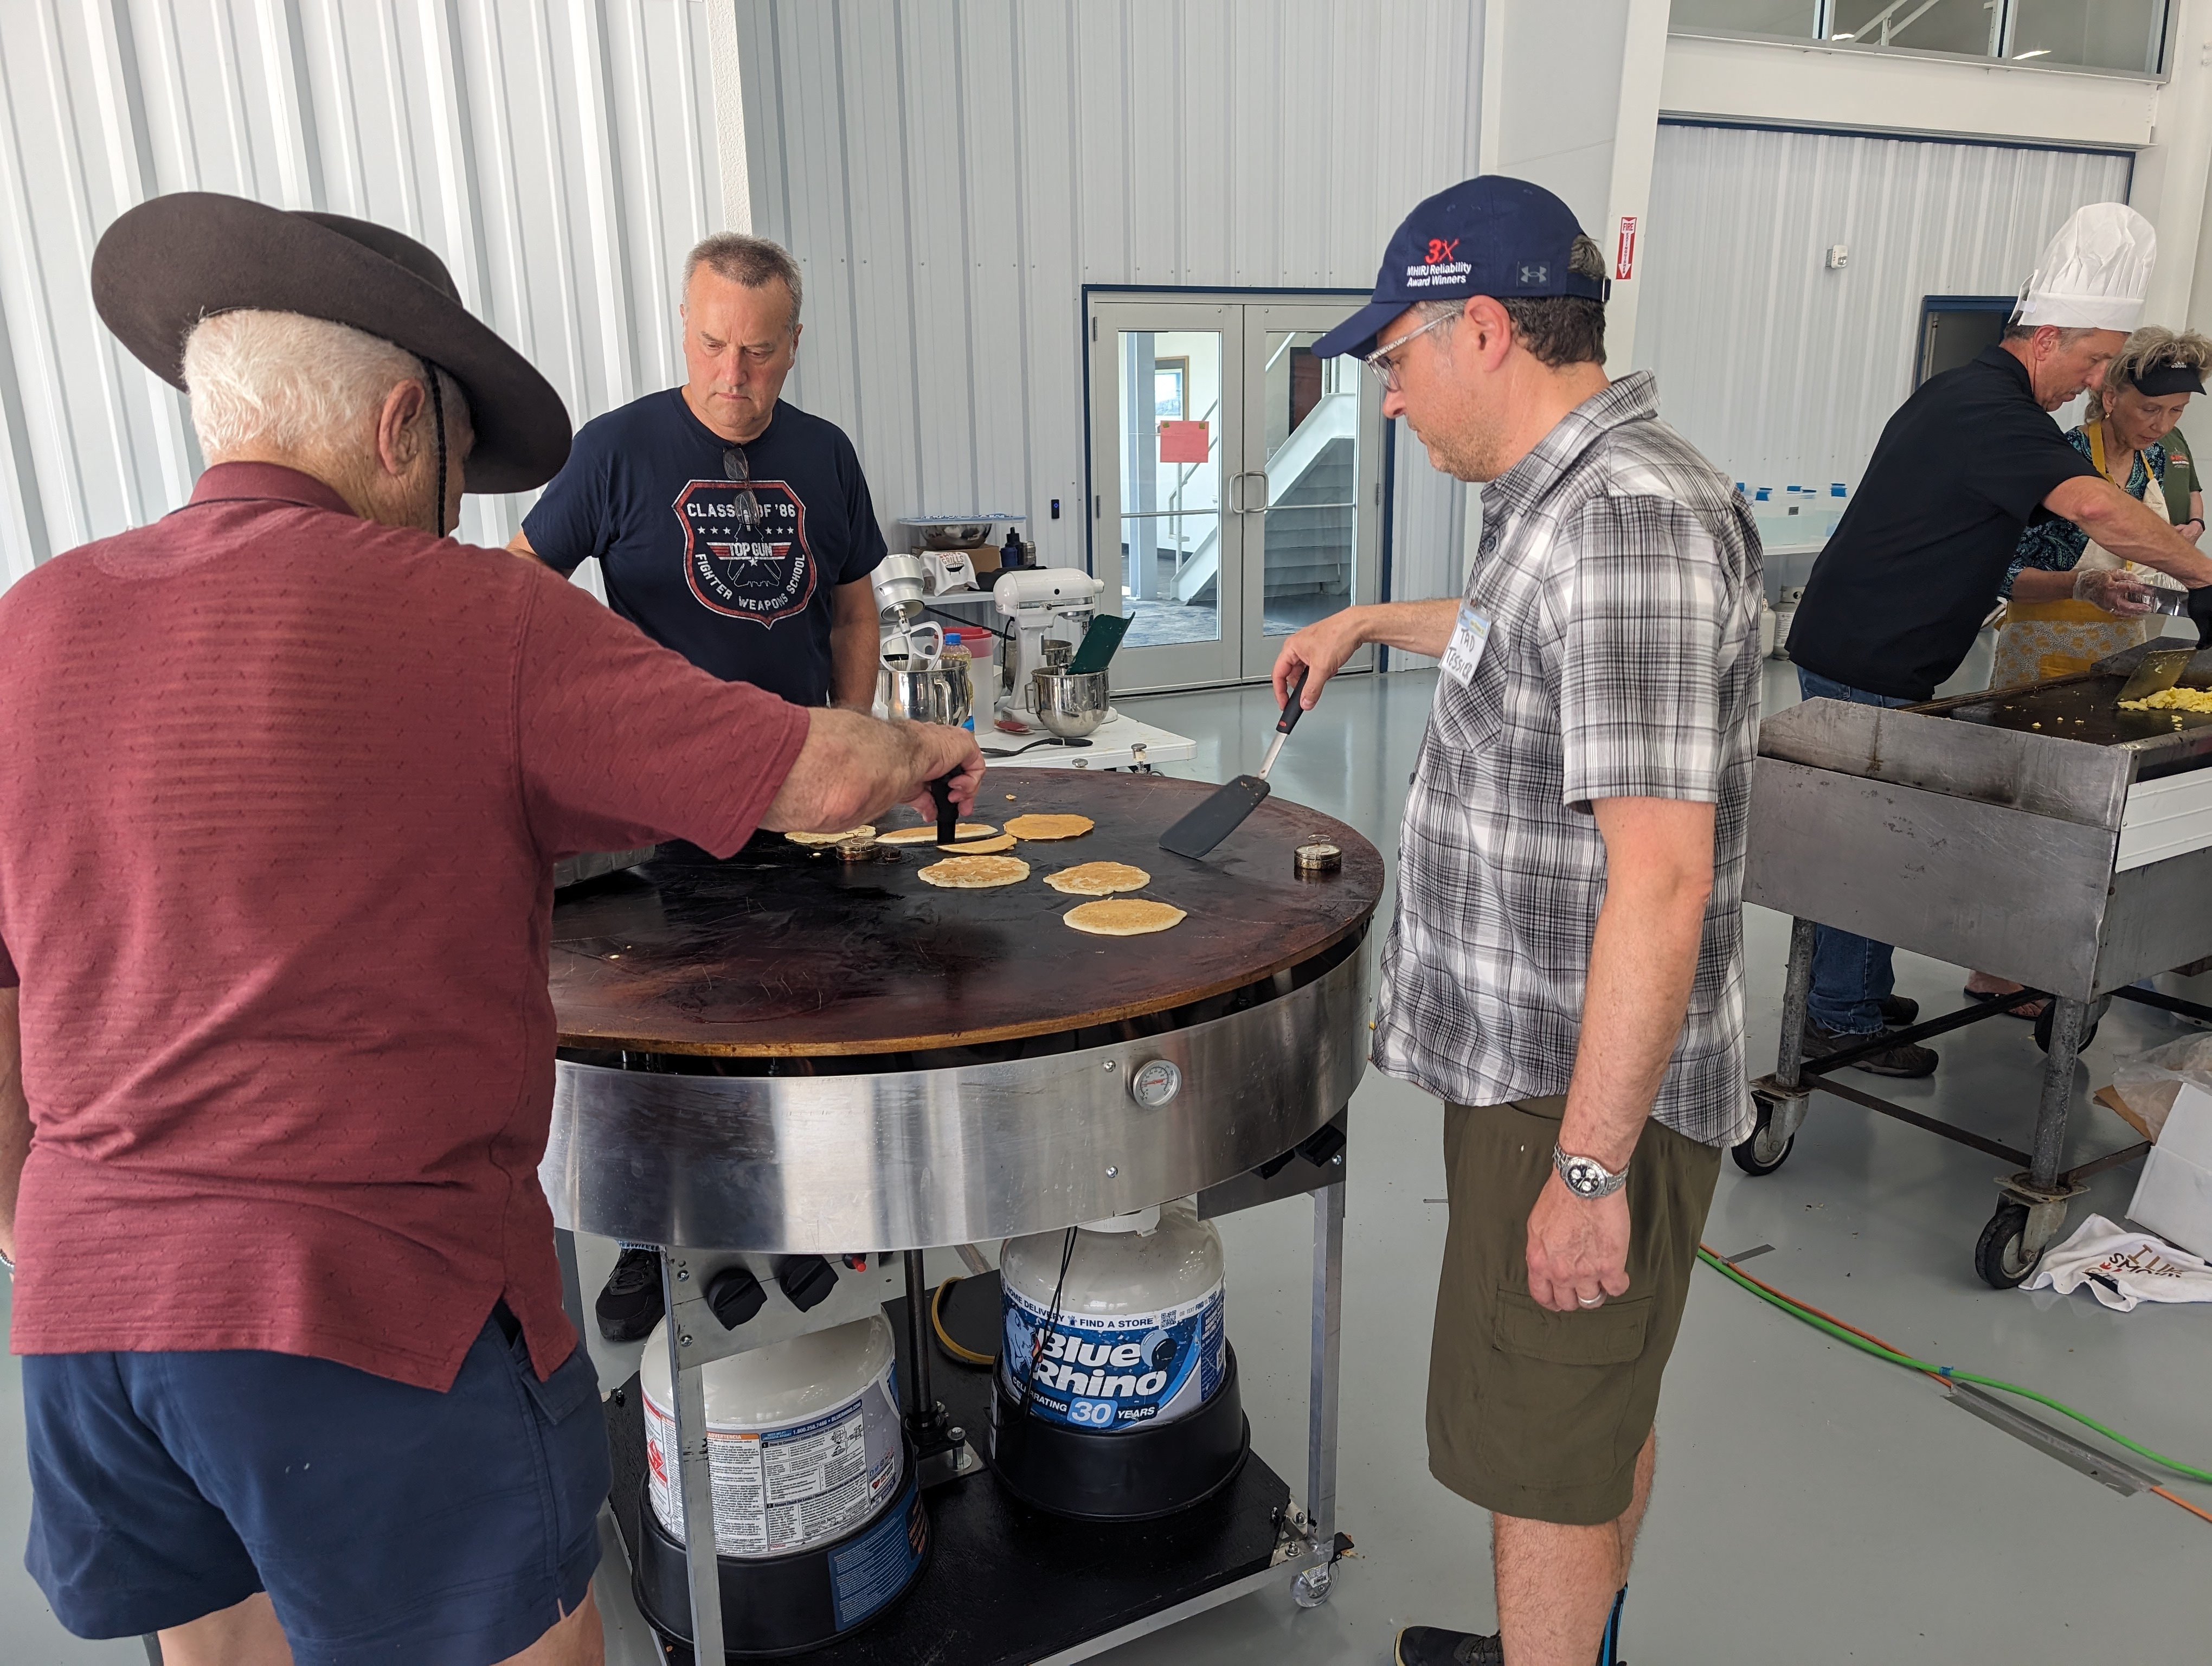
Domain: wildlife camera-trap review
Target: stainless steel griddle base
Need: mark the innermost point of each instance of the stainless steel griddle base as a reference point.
(2032, 1205)
(1010, 1586)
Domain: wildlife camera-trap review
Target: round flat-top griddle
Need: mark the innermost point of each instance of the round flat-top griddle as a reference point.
(787, 951)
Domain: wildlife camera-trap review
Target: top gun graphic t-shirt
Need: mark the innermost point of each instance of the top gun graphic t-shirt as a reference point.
(730, 555)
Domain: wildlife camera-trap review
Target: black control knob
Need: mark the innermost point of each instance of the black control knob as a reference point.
(1323, 1143)
(735, 1295)
(807, 1280)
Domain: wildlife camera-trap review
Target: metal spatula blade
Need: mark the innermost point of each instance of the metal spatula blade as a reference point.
(2156, 671)
(1225, 808)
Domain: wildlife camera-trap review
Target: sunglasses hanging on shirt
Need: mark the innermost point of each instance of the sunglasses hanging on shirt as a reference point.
(736, 465)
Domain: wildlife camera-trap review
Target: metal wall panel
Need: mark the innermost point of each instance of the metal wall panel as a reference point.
(950, 174)
(1782, 371)
(560, 155)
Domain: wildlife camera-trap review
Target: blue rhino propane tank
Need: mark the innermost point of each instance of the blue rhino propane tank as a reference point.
(1138, 1335)
(1117, 1401)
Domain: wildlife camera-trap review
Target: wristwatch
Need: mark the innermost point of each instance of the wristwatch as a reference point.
(1586, 1176)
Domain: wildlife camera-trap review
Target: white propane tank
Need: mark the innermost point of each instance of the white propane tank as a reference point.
(803, 1437)
(1139, 1338)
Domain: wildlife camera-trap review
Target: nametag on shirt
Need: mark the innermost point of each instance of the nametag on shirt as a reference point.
(1465, 651)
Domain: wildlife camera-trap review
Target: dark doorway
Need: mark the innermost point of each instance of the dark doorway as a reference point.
(1306, 385)
(1953, 329)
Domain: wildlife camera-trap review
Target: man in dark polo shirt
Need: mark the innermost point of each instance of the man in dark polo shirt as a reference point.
(729, 526)
(1970, 460)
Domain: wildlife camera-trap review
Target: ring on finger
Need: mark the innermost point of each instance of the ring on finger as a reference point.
(1590, 1301)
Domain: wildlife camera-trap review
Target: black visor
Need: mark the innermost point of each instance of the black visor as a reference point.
(2168, 379)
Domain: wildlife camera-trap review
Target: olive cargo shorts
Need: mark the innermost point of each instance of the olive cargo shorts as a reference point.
(1535, 1414)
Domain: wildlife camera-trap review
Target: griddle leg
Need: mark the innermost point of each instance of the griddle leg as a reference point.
(572, 1281)
(922, 1408)
(1797, 988)
(1313, 1586)
(695, 1477)
(2069, 1018)
(941, 1452)
(2042, 1191)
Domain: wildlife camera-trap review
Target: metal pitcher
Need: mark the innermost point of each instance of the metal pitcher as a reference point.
(926, 693)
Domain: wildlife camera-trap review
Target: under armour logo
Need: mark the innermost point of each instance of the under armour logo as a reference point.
(1440, 250)
(1535, 271)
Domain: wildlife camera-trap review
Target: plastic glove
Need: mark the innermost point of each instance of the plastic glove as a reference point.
(2113, 590)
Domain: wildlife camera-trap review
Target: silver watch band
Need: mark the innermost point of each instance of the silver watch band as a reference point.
(1587, 1178)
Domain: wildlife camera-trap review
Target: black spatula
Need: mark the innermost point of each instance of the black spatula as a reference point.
(948, 816)
(1225, 812)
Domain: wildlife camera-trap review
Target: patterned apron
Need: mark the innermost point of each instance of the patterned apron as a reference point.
(2056, 639)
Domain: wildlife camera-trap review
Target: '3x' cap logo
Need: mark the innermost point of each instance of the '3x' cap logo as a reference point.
(1440, 250)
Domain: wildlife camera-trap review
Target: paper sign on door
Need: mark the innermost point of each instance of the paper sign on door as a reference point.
(1183, 442)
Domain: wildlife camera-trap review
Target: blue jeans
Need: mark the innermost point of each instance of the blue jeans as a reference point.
(1851, 975)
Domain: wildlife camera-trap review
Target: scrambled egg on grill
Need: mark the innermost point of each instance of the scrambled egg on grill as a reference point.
(2171, 700)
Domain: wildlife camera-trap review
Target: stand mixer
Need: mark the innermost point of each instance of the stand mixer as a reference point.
(914, 680)
(1049, 609)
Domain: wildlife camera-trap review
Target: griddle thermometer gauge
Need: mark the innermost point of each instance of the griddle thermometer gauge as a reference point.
(1153, 1084)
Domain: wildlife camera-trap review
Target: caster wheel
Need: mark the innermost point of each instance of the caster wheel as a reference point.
(2001, 1257)
(1759, 1154)
(2043, 1029)
(1310, 1589)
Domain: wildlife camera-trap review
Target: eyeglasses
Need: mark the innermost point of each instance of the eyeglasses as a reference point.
(1383, 362)
(736, 465)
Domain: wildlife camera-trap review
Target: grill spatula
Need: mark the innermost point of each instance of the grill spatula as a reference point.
(948, 816)
(1225, 810)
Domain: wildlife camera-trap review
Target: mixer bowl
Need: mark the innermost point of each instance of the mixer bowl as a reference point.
(923, 693)
(1071, 704)
(959, 536)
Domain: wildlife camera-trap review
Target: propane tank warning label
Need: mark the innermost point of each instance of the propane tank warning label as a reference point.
(778, 1490)
(1115, 1372)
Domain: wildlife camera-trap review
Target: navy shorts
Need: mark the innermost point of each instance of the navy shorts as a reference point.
(387, 1523)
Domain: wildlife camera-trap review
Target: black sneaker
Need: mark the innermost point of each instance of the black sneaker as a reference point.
(630, 1305)
(1902, 1059)
(1897, 1012)
(1432, 1645)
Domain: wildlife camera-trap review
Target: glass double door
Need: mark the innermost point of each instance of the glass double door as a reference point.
(1236, 483)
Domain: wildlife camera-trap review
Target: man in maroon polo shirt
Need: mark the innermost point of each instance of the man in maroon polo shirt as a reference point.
(283, 778)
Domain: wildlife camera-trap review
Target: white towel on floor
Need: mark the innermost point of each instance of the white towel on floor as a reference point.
(2122, 1268)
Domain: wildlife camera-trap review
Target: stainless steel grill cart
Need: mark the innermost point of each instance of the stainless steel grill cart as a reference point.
(2038, 833)
(813, 1054)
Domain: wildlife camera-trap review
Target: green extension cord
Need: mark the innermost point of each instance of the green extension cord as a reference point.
(1946, 1373)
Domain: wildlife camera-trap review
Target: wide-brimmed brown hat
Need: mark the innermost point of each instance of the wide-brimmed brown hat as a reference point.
(164, 265)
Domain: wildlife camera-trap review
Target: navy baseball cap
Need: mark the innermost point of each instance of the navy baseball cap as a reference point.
(1490, 235)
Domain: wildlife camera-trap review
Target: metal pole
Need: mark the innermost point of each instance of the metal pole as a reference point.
(572, 1281)
(1790, 1058)
(1327, 1338)
(921, 1397)
(2067, 1022)
(694, 1475)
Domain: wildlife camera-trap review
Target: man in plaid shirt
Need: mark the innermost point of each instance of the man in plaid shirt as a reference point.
(1565, 970)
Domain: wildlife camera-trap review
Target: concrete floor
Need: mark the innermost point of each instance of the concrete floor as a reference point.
(1814, 1506)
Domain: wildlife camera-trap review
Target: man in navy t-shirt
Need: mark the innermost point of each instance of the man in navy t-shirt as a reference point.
(729, 525)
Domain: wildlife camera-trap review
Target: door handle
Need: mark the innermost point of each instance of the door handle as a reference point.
(1236, 482)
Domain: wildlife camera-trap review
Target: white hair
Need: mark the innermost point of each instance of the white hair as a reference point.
(293, 383)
